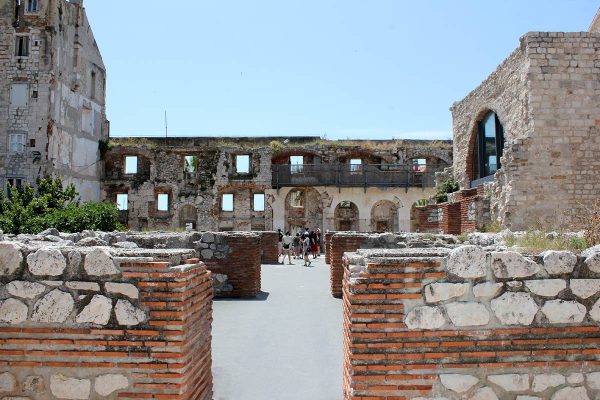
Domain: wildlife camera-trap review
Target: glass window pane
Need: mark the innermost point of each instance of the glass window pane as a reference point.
(488, 138)
(227, 202)
(163, 202)
(242, 164)
(296, 164)
(122, 201)
(131, 164)
(259, 202)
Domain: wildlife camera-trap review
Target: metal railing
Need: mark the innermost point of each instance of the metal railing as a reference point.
(346, 175)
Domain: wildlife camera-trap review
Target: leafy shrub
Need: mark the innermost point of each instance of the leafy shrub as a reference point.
(448, 186)
(26, 210)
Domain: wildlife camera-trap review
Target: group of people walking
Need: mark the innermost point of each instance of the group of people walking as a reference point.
(301, 246)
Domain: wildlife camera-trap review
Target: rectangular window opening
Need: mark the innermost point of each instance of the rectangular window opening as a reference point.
(93, 85)
(190, 164)
(355, 165)
(14, 183)
(122, 201)
(163, 202)
(22, 46)
(419, 165)
(297, 199)
(259, 202)
(16, 143)
(33, 6)
(296, 164)
(227, 202)
(19, 94)
(242, 164)
(131, 164)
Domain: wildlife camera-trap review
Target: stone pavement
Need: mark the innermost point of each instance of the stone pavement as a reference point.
(287, 345)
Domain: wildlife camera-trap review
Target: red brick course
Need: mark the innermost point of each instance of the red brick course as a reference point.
(270, 249)
(341, 243)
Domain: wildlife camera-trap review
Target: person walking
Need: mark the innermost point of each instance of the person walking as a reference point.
(279, 244)
(287, 247)
(306, 250)
(296, 246)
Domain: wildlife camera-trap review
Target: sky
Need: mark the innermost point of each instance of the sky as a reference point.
(359, 69)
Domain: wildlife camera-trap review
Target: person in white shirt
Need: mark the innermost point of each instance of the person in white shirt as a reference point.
(287, 247)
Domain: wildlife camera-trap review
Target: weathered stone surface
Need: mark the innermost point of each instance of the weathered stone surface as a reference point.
(595, 311)
(207, 254)
(546, 287)
(467, 313)
(487, 289)
(105, 385)
(74, 259)
(65, 387)
(593, 262)
(126, 245)
(55, 306)
(457, 382)
(544, 381)
(511, 382)
(46, 262)
(437, 292)
(96, 312)
(425, 318)
(86, 286)
(515, 308)
(563, 311)
(570, 393)
(526, 397)
(514, 284)
(484, 393)
(99, 262)
(126, 289)
(33, 383)
(128, 314)
(92, 241)
(8, 382)
(25, 290)
(585, 288)
(559, 262)
(593, 380)
(13, 311)
(11, 258)
(511, 264)
(467, 262)
(575, 378)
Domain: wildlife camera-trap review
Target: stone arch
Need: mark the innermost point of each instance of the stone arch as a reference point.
(346, 216)
(303, 208)
(471, 164)
(384, 216)
(188, 217)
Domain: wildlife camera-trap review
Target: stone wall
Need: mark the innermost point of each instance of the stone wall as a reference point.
(98, 322)
(471, 323)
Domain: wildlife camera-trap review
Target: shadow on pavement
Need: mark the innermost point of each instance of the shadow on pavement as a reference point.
(262, 296)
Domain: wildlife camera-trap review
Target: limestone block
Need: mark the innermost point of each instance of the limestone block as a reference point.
(593, 380)
(431, 398)
(92, 241)
(46, 261)
(33, 383)
(11, 258)
(563, 311)
(25, 290)
(207, 254)
(546, 287)
(484, 393)
(487, 289)
(595, 311)
(96, 312)
(559, 262)
(544, 381)
(570, 393)
(128, 314)
(592, 262)
(425, 318)
(126, 289)
(458, 383)
(208, 237)
(65, 387)
(585, 288)
(516, 285)
(467, 314)
(437, 292)
(99, 262)
(56, 307)
(74, 258)
(525, 397)
(515, 308)
(511, 264)
(16, 398)
(105, 385)
(8, 382)
(126, 245)
(511, 382)
(13, 311)
(575, 378)
(86, 286)
(467, 262)
(591, 251)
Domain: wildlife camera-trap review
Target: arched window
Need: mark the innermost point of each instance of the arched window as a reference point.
(490, 145)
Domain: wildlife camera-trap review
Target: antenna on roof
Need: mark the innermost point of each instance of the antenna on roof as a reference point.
(166, 126)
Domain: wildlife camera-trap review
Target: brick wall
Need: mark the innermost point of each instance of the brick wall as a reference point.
(328, 237)
(268, 244)
(75, 326)
(470, 324)
(340, 244)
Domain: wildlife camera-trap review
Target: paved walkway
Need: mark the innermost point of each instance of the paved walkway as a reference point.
(285, 346)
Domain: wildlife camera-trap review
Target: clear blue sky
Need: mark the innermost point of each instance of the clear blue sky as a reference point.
(340, 68)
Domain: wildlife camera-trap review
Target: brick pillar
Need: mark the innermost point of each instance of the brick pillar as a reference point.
(268, 244)
(340, 244)
(327, 243)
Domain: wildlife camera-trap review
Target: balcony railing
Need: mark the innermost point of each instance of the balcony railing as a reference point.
(346, 175)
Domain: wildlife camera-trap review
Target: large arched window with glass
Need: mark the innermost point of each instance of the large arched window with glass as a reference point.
(490, 146)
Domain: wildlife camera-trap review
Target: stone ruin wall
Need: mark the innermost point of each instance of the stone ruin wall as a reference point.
(471, 322)
(80, 322)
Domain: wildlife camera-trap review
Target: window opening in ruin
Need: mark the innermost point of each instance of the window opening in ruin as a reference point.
(14, 182)
(19, 94)
(242, 164)
(163, 202)
(122, 201)
(346, 204)
(87, 120)
(491, 145)
(190, 226)
(297, 198)
(33, 6)
(227, 202)
(131, 164)
(296, 164)
(93, 85)
(16, 143)
(31, 142)
(419, 165)
(259, 202)
(22, 46)
(190, 165)
(355, 165)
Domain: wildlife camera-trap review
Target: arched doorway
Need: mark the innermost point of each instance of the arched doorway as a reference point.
(188, 217)
(346, 217)
(384, 217)
(303, 209)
